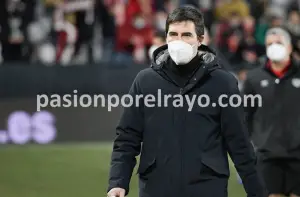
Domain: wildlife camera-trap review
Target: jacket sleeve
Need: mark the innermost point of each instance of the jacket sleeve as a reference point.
(127, 144)
(238, 143)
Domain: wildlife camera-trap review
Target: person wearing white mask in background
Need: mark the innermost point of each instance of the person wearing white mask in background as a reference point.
(158, 40)
(183, 147)
(274, 123)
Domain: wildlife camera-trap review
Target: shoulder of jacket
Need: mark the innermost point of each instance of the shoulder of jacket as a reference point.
(225, 80)
(223, 75)
(144, 73)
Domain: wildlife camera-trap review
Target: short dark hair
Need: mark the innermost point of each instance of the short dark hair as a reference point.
(187, 13)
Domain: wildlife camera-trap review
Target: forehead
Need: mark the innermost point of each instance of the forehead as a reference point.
(184, 26)
(294, 14)
(274, 38)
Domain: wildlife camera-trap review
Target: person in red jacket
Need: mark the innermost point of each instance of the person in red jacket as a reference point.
(134, 28)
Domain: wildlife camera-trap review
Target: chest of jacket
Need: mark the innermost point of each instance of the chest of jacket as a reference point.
(279, 96)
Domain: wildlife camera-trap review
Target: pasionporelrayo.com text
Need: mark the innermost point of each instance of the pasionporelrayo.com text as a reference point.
(149, 100)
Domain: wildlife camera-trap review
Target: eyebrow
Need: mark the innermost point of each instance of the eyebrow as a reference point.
(187, 33)
(184, 33)
(278, 42)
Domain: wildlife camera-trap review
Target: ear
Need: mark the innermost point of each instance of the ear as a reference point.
(290, 48)
(200, 39)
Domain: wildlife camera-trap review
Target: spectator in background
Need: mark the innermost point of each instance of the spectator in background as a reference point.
(46, 44)
(248, 51)
(15, 17)
(293, 23)
(161, 9)
(134, 29)
(84, 12)
(273, 17)
(257, 8)
(283, 5)
(293, 26)
(73, 30)
(206, 7)
(4, 29)
(225, 9)
(65, 30)
(230, 35)
(158, 40)
(105, 16)
(128, 27)
(208, 41)
(76, 36)
(294, 5)
(274, 123)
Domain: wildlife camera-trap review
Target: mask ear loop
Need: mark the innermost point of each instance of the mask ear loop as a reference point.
(195, 47)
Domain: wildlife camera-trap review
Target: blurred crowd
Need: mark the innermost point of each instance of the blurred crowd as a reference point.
(70, 32)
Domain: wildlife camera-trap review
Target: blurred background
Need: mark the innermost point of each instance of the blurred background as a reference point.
(98, 47)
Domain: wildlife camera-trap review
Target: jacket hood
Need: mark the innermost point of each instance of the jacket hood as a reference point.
(207, 55)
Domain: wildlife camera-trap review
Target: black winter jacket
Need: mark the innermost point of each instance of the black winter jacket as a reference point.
(274, 120)
(183, 153)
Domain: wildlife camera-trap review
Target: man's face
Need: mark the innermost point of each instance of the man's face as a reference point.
(184, 31)
(279, 39)
(276, 22)
(294, 18)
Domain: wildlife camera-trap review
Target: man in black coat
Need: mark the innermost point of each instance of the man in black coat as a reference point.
(274, 123)
(184, 150)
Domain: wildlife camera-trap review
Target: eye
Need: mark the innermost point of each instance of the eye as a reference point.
(187, 35)
(268, 44)
(172, 34)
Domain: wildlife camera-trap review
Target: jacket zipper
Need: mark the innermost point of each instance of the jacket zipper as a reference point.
(181, 91)
(181, 155)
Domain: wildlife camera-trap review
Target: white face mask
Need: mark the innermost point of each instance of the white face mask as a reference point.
(139, 23)
(182, 52)
(276, 52)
